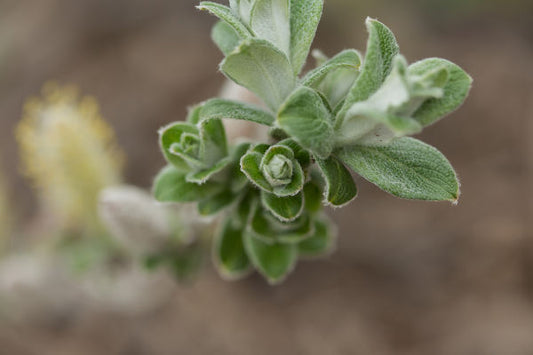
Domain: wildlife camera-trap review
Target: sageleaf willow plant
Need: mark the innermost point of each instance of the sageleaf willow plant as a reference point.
(348, 112)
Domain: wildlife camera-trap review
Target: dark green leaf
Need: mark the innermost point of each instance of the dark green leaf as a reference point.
(321, 242)
(273, 261)
(230, 256)
(340, 187)
(286, 209)
(170, 185)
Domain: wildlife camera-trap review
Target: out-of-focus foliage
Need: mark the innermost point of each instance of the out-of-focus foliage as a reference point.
(68, 152)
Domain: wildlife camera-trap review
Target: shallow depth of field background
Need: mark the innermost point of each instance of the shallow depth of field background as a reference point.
(408, 277)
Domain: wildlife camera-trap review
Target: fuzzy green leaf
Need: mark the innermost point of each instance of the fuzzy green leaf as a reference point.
(335, 77)
(407, 168)
(386, 113)
(221, 108)
(286, 209)
(225, 37)
(262, 169)
(225, 14)
(201, 176)
(172, 134)
(273, 261)
(170, 185)
(302, 155)
(381, 49)
(455, 91)
(347, 59)
(269, 20)
(321, 243)
(340, 187)
(261, 68)
(214, 145)
(229, 253)
(308, 121)
(263, 225)
(304, 19)
(250, 166)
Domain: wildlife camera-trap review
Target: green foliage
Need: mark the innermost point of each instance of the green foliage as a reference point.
(348, 115)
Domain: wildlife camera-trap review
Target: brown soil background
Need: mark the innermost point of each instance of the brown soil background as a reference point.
(408, 277)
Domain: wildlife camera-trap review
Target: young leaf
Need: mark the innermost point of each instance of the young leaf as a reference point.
(170, 185)
(273, 169)
(381, 49)
(455, 91)
(321, 243)
(172, 134)
(221, 108)
(286, 209)
(270, 20)
(304, 19)
(201, 176)
(274, 261)
(229, 253)
(347, 59)
(264, 226)
(225, 37)
(406, 168)
(308, 121)
(261, 68)
(214, 145)
(340, 187)
(225, 14)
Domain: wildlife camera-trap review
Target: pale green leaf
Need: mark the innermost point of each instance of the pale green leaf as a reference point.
(225, 14)
(221, 108)
(229, 253)
(455, 91)
(407, 168)
(304, 19)
(269, 20)
(273, 261)
(261, 68)
(381, 49)
(170, 185)
(286, 209)
(225, 37)
(308, 121)
(347, 59)
(340, 187)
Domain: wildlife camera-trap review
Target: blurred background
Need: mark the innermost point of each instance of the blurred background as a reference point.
(408, 277)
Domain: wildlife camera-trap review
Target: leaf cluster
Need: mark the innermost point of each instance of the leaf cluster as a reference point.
(350, 114)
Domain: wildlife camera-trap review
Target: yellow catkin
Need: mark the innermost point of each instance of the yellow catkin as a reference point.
(68, 151)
